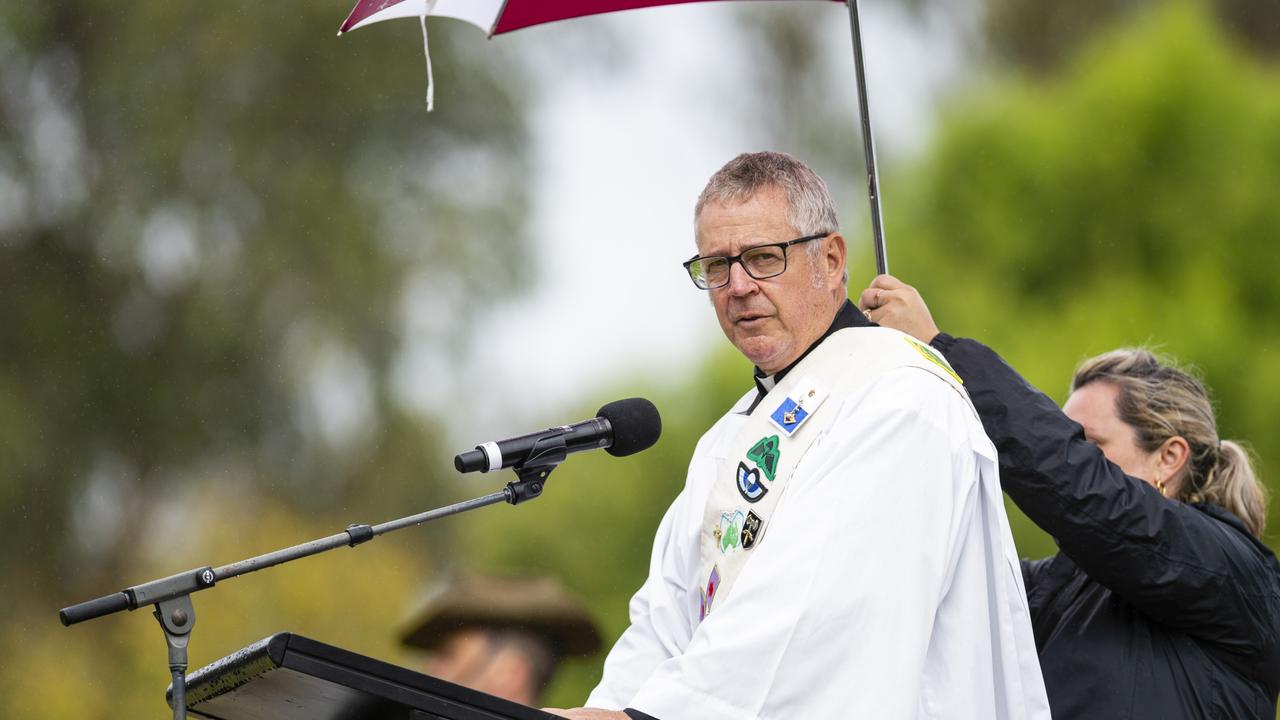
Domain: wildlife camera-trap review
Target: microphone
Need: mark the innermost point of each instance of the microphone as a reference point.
(622, 427)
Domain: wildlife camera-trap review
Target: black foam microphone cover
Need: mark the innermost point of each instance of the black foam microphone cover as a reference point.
(636, 425)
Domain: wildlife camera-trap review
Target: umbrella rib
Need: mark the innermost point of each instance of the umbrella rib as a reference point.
(498, 18)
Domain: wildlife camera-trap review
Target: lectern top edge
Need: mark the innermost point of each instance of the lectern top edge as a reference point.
(288, 675)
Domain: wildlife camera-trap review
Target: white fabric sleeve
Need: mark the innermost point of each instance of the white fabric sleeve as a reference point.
(833, 615)
(656, 632)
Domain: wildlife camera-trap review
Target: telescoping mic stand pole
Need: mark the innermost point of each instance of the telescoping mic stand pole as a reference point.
(172, 595)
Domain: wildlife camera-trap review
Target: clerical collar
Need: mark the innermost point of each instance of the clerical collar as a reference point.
(846, 317)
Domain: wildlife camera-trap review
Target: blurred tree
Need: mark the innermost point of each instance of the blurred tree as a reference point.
(220, 229)
(806, 102)
(1043, 35)
(216, 223)
(116, 667)
(794, 106)
(1128, 202)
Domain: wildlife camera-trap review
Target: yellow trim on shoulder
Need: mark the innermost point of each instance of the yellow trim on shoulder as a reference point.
(932, 356)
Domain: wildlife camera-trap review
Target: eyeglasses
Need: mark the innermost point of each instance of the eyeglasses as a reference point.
(760, 262)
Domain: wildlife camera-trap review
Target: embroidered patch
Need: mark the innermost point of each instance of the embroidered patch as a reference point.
(709, 595)
(750, 530)
(765, 454)
(933, 356)
(798, 406)
(749, 485)
(729, 532)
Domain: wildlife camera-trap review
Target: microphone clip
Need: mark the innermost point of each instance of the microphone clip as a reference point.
(547, 453)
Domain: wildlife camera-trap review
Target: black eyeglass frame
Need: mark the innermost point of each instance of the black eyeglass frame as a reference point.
(738, 259)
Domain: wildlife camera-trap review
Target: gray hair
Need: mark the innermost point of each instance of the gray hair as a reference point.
(810, 209)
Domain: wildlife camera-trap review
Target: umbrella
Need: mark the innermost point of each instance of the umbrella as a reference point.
(500, 16)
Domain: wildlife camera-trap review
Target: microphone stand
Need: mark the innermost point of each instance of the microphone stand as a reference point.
(172, 595)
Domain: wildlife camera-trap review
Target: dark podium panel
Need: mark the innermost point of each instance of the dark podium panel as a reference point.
(291, 677)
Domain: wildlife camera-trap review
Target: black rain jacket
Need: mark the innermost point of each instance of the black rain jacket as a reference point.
(1153, 608)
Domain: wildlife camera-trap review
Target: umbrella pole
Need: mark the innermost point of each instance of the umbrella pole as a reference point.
(868, 145)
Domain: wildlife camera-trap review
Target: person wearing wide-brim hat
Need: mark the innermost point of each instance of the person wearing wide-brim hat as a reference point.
(504, 636)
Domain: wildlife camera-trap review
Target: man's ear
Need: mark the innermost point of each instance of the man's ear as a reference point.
(835, 257)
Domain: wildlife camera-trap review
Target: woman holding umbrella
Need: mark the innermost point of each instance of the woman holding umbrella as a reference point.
(1162, 602)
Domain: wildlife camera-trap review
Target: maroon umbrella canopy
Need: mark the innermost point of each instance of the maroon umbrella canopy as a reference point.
(495, 16)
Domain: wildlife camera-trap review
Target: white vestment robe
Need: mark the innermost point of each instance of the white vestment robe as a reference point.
(885, 586)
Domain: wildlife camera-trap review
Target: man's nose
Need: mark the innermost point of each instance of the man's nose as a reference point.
(740, 283)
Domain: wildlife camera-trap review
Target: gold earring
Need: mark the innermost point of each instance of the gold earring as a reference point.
(1160, 487)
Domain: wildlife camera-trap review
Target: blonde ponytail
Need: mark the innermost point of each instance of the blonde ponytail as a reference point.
(1231, 484)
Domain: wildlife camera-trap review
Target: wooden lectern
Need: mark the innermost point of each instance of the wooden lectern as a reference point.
(291, 677)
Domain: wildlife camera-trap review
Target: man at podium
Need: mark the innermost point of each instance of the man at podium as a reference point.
(840, 548)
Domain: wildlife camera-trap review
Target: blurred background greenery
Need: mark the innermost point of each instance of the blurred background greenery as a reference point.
(211, 217)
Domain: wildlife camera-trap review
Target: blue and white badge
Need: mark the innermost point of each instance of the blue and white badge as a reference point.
(798, 406)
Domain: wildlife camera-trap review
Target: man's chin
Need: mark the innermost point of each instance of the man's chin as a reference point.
(762, 352)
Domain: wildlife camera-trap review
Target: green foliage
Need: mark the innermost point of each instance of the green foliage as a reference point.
(1129, 203)
(115, 667)
(1041, 36)
(212, 218)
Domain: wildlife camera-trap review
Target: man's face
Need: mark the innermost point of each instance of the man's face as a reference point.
(770, 321)
(473, 658)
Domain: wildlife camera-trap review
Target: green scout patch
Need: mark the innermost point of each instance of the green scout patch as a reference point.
(765, 454)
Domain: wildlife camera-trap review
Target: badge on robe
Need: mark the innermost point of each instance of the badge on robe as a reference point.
(750, 530)
(765, 455)
(709, 595)
(729, 531)
(749, 485)
(805, 397)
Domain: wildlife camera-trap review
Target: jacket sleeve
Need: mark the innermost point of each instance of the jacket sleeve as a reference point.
(1031, 572)
(1175, 562)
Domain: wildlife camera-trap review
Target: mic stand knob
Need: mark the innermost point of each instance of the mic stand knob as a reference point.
(177, 616)
(546, 454)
